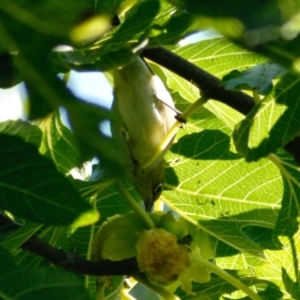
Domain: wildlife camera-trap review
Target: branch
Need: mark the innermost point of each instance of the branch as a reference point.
(210, 87)
(72, 261)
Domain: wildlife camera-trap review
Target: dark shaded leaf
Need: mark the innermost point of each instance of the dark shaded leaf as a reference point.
(175, 28)
(291, 286)
(8, 71)
(48, 284)
(137, 22)
(287, 222)
(258, 79)
(28, 132)
(33, 189)
(114, 50)
(101, 59)
(251, 13)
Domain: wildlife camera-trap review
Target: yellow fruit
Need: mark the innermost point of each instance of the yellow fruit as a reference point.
(160, 257)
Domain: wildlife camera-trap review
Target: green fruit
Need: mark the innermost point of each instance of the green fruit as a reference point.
(160, 257)
(117, 237)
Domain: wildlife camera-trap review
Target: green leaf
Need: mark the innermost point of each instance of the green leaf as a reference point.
(109, 203)
(108, 7)
(252, 14)
(258, 79)
(291, 286)
(42, 17)
(55, 236)
(7, 262)
(113, 50)
(265, 28)
(18, 237)
(111, 237)
(217, 287)
(217, 56)
(170, 25)
(45, 24)
(287, 222)
(59, 144)
(216, 189)
(99, 59)
(28, 132)
(137, 21)
(269, 270)
(277, 260)
(8, 72)
(272, 123)
(279, 49)
(31, 187)
(19, 283)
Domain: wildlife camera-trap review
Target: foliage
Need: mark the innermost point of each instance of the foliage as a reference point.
(232, 180)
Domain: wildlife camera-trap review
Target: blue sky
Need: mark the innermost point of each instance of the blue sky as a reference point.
(89, 86)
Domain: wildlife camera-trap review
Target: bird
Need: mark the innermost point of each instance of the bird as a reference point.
(146, 110)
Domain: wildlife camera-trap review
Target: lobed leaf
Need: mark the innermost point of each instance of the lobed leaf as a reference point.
(272, 123)
(219, 57)
(215, 189)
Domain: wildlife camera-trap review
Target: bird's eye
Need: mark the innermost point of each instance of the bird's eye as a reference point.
(157, 190)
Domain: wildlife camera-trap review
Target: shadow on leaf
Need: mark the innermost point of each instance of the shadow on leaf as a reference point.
(217, 287)
(242, 231)
(205, 145)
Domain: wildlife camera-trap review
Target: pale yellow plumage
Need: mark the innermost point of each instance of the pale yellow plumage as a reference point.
(147, 112)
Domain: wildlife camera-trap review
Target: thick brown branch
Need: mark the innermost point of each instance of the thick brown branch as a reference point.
(71, 261)
(209, 85)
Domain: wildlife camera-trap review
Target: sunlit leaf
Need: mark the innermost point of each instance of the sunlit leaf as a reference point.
(59, 144)
(241, 206)
(217, 190)
(218, 287)
(276, 260)
(217, 56)
(272, 123)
